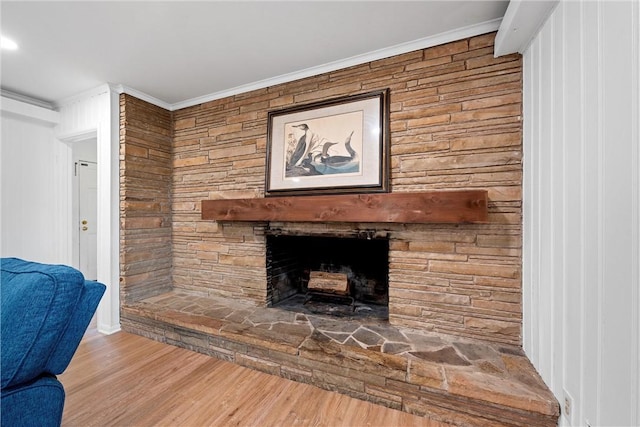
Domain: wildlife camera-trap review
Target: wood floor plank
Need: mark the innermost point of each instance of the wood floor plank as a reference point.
(127, 380)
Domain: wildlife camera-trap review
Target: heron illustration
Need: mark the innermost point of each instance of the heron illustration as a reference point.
(302, 148)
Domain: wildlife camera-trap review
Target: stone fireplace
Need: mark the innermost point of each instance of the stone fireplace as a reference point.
(455, 124)
(450, 346)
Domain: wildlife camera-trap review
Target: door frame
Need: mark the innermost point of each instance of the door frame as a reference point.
(108, 267)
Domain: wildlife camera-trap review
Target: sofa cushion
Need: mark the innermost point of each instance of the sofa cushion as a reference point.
(37, 301)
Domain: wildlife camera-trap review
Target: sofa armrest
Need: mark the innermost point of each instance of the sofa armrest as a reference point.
(39, 402)
(89, 298)
(37, 301)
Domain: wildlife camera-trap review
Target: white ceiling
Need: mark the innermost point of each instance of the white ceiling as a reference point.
(179, 52)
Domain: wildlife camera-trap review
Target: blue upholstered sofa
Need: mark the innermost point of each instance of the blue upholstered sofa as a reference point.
(44, 313)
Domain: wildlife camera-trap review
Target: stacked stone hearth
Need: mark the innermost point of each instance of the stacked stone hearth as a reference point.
(455, 121)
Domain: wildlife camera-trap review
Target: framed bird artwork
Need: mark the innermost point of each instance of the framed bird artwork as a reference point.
(334, 146)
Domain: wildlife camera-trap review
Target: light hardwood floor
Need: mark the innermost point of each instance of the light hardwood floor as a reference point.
(127, 380)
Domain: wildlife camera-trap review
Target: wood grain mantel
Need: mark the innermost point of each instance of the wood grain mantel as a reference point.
(465, 206)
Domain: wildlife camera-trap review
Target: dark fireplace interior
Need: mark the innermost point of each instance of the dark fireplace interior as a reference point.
(363, 262)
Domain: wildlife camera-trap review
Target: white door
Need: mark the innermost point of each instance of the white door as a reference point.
(87, 227)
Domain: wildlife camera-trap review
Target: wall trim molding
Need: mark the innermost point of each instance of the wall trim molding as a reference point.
(77, 136)
(83, 95)
(26, 99)
(16, 108)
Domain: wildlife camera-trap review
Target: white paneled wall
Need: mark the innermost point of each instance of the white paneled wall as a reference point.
(36, 191)
(83, 113)
(581, 209)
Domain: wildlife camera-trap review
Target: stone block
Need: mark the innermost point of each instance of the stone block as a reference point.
(206, 227)
(144, 222)
(439, 317)
(513, 297)
(505, 193)
(428, 63)
(221, 353)
(416, 96)
(190, 161)
(481, 41)
(184, 123)
(487, 113)
(488, 60)
(294, 374)
(258, 364)
(426, 374)
(475, 269)
(492, 326)
(430, 246)
(281, 101)
(428, 121)
(514, 98)
(426, 297)
(487, 84)
(488, 251)
(493, 389)
(135, 151)
(327, 93)
(446, 49)
(355, 358)
(499, 306)
(261, 338)
(231, 152)
(486, 141)
(338, 381)
(404, 309)
(242, 261)
(382, 393)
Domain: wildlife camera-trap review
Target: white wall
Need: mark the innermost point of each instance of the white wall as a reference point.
(35, 176)
(96, 114)
(581, 209)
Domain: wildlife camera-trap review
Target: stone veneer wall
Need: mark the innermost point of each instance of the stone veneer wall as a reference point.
(145, 199)
(455, 124)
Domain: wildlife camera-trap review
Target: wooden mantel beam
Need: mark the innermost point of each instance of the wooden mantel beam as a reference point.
(464, 206)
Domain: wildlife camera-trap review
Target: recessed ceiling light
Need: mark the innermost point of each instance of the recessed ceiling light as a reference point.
(7, 44)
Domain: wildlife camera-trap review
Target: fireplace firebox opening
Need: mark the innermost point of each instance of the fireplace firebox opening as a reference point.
(329, 275)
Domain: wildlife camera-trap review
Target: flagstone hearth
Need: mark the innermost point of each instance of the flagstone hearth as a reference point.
(450, 379)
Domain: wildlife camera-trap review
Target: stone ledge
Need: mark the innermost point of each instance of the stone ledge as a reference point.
(449, 379)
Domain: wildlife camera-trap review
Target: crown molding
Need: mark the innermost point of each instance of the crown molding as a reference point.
(438, 39)
(143, 96)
